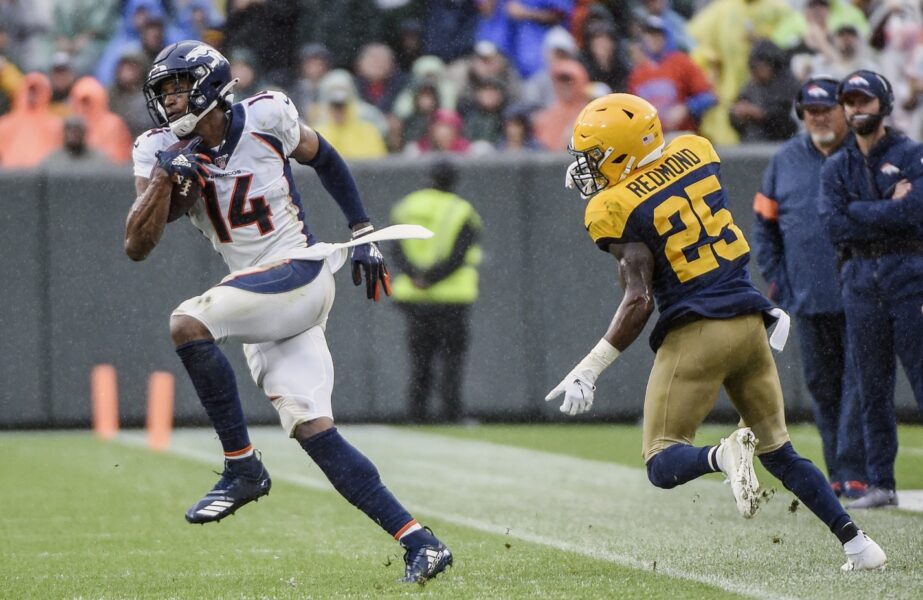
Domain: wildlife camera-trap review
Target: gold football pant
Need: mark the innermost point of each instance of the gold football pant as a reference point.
(692, 364)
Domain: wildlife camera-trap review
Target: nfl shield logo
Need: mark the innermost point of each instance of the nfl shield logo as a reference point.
(222, 161)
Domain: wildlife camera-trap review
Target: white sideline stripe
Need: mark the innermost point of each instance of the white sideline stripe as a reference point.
(493, 471)
(910, 500)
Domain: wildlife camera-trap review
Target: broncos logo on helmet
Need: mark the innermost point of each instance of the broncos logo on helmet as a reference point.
(204, 50)
(198, 69)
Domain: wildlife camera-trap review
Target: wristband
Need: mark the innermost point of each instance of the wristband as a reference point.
(601, 356)
(363, 231)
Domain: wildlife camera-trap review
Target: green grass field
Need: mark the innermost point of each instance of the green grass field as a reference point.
(529, 512)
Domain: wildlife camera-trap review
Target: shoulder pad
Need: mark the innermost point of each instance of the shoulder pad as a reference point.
(270, 106)
(144, 152)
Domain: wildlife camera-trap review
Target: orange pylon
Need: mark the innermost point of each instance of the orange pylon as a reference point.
(104, 396)
(160, 392)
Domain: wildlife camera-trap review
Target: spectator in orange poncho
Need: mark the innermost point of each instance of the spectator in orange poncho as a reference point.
(553, 125)
(106, 131)
(30, 132)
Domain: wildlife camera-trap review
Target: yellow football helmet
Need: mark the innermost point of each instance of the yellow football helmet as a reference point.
(613, 136)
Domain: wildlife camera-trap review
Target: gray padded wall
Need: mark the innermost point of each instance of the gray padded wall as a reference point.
(24, 375)
(74, 299)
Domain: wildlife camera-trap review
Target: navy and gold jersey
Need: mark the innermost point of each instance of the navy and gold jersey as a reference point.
(677, 207)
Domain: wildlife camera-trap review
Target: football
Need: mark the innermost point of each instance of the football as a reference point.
(186, 192)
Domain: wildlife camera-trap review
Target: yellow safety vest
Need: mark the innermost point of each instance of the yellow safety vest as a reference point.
(445, 214)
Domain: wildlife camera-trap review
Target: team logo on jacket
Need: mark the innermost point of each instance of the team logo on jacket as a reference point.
(889, 169)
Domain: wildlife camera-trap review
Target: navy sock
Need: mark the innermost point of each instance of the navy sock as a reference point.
(802, 478)
(678, 464)
(357, 480)
(420, 537)
(214, 382)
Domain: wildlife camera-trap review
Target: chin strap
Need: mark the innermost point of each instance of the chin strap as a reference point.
(185, 125)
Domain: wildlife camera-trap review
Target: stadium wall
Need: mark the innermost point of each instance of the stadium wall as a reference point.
(73, 299)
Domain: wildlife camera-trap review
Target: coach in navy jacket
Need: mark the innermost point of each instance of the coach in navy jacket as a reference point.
(798, 260)
(872, 206)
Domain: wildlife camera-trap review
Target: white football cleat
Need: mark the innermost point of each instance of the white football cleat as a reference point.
(735, 459)
(863, 554)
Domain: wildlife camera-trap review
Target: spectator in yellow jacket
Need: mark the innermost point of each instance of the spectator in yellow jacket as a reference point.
(724, 32)
(343, 120)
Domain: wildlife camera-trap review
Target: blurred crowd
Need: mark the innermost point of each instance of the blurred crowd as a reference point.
(379, 77)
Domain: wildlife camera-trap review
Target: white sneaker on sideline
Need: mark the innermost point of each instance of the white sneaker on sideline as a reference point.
(863, 554)
(735, 459)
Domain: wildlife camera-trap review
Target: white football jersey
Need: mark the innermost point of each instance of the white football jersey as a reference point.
(249, 209)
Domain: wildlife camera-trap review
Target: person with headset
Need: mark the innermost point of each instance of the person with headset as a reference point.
(799, 264)
(872, 208)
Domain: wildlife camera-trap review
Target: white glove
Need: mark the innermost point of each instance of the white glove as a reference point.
(580, 383)
(578, 388)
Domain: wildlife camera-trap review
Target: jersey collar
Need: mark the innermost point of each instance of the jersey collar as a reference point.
(237, 118)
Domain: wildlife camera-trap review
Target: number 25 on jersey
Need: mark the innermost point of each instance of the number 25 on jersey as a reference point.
(695, 216)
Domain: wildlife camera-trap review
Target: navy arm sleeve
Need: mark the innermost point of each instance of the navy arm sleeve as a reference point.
(893, 216)
(896, 216)
(769, 247)
(841, 227)
(338, 181)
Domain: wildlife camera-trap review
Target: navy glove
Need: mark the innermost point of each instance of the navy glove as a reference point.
(181, 161)
(368, 258)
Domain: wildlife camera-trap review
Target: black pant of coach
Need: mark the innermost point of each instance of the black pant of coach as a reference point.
(438, 341)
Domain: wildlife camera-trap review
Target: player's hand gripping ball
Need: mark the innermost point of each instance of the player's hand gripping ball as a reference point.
(187, 171)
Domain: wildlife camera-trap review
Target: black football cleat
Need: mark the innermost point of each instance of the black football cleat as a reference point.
(241, 482)
(422, 563)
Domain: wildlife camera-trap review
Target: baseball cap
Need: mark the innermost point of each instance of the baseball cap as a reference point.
(819, 92)
(560, 39)
(867, 83)
(485, 49)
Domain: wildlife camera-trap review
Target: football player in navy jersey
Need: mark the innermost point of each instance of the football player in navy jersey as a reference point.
(280, 290)
(661, 211)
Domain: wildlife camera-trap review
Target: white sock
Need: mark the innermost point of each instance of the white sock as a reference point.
(720, 452)
(857, 544)
(411, 529)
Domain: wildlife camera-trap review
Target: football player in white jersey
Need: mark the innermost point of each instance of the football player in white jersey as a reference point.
(275, 301)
